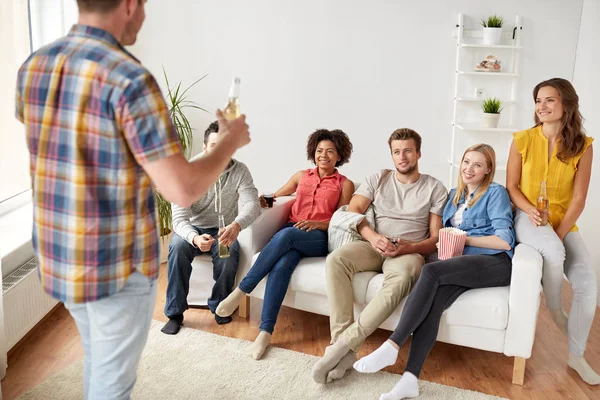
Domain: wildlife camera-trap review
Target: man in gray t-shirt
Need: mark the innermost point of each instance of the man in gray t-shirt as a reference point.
(408, 209)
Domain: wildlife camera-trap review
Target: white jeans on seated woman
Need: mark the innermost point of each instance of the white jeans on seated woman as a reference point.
(113, 333)
(568, 257)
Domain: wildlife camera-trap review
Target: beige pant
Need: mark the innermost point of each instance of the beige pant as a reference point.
(400, 274)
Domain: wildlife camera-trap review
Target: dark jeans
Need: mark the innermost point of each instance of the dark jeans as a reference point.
(279, 259)
(438, 287)
(179, 270)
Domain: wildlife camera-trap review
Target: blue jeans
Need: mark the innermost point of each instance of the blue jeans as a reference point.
(113, 333)
(279, 259)
(179, 270)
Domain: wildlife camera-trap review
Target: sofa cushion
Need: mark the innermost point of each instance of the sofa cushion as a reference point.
(482, 308)
(310, 277)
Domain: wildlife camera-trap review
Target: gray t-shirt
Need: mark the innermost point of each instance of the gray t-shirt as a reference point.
(402, 210)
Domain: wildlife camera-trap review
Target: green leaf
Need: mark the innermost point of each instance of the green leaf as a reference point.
(493, 21)
(492, 106)
(193, 84)
(177, 101)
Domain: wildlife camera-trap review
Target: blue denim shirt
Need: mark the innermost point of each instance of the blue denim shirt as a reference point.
(490, 215)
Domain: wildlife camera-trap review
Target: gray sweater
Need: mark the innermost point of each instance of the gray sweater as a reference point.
(237, 185)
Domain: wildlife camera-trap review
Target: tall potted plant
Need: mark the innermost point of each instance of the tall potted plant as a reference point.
(492, 29)
(177, 102)
(491, 107)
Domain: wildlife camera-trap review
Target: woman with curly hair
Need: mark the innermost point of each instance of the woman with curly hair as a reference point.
(319, 192)
(556, 150)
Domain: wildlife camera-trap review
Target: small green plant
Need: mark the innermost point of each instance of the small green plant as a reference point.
(493, 21)
(492, 106)
(177, 103)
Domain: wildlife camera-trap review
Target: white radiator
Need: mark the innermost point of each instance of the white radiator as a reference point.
(25, 302)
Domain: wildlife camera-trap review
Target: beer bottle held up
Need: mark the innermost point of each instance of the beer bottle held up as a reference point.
(232, 111)
(542, 204)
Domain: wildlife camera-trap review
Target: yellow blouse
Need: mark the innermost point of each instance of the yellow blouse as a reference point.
(535, 167)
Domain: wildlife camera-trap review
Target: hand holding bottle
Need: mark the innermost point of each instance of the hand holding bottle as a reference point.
(534, 216)
(541, 210)
(232, 124)
(235, 132)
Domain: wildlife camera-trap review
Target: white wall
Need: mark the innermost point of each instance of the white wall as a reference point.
(365, 67)
(587, 84)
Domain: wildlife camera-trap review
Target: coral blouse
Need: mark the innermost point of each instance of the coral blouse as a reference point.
(317, 198)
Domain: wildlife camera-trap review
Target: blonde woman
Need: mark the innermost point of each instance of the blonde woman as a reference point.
(482, 209)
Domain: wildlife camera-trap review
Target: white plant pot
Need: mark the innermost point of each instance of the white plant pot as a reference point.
(490, 120)
(492, 35)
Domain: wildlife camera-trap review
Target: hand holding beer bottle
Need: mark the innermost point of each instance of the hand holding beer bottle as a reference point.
(232, 124)
(232, 110)
(541, 207)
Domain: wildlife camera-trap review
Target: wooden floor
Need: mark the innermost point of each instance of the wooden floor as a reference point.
(54, 344)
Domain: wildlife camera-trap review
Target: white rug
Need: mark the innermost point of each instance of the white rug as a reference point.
(199, 365)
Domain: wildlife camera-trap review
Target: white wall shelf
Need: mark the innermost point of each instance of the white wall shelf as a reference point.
(479, 128)
(490, 46)
(495, 74)
(479, 100)
(468, 82)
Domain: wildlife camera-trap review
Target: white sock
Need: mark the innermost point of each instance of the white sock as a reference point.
(584, 370)
(406, 388)
(230, 304)
(262, 341)
(561, 319)
(384, 356)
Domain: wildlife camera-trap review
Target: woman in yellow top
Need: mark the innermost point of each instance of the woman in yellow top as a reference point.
(556, 150)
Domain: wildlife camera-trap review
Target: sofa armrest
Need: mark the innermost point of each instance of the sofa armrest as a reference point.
(524, 301)
(259, 233)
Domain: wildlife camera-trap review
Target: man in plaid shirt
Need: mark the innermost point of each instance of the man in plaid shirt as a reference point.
(100, 138)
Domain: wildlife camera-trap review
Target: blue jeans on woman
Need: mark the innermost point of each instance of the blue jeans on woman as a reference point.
(279, 259)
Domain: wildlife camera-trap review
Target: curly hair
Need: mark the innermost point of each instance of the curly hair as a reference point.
(212, 128)
(341, 141)
(572, 134)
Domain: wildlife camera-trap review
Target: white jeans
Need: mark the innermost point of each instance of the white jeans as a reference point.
(113, 333)
(569, 257)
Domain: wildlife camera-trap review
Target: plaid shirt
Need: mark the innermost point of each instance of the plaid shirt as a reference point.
(92, 115)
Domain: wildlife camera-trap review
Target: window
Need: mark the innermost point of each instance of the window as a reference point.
(15, 48)
(25, 25)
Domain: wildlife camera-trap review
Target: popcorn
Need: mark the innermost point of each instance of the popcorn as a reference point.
(451, 243)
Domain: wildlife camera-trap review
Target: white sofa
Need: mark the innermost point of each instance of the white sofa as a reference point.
(501, 319)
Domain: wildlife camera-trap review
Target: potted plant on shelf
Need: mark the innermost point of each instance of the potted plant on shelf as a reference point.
(177, 102)
(491, 112)
(492, 29)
